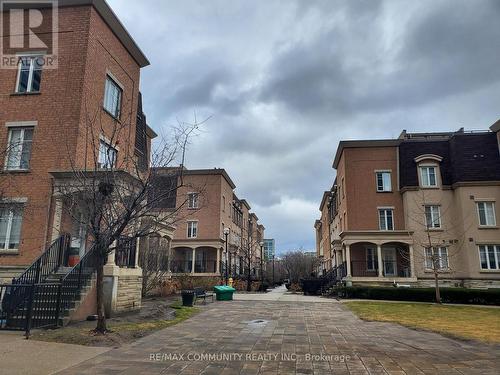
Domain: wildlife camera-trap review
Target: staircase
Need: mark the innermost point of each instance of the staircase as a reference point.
(48, 291)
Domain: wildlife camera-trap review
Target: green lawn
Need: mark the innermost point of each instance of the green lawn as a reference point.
(465, 322)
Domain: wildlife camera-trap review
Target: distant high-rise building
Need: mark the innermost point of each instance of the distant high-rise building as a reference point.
(269, 249)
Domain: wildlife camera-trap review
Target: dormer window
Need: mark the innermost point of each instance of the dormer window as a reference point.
(428, 170)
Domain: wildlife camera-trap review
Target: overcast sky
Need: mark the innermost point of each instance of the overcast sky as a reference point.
(284, 81)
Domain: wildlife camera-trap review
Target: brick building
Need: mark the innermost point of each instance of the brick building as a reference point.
(56, 121)
(398, 205)
(206, 206)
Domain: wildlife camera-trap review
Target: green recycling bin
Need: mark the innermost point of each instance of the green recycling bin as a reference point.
(224, 293)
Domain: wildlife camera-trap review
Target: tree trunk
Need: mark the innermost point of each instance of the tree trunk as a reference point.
(249, 279)
(436, 284)
(101, 316)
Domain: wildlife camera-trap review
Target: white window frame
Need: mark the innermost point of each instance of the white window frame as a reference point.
(374, 259)
(29, 88)
(109, 146)
(485, 203)
(8, 231)
(441, 250)
(9, 148)
(112, 81)
(496, 256)
(384, 189)
(385, 218)
(193, 203)
(192, 229)
(427, 167)
(435, 210)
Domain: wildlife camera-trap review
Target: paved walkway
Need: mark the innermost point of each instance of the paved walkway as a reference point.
(19, 356)
(305, 336)
(279, 294)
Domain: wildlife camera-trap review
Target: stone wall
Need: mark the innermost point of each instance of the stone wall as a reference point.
(129, 293)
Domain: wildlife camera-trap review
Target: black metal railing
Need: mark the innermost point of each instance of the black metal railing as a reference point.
(181, 266)
(39, 306)
(79, 276)
(125, 252)
(47, 263)
(363, 268)
(205, 266)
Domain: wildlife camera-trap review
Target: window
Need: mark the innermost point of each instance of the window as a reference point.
(223, 204)
(192, 229)
(107, 155)
(437, 256)
(432, 217)
(385, 219)
(193, 200)
(343, 188)
(29, 74)
(383, 181)
(10, 226)
(112, 97)
(371, 259)
(489, 256)
(19, 148)
(428, 176)
(486, 212)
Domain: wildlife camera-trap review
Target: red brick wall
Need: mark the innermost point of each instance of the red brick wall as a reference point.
(69, 94)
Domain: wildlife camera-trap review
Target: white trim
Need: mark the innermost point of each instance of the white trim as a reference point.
(21, 124)
(422, 157)
(14, 200)
(492, 225)
(115, 80)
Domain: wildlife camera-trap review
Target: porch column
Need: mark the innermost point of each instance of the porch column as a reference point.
(56, 222)
(137, 249)
(111, 256)
(169, 254)
(217, 266)
(193, 260)
(379, 260)
(412, 263)
(348, 259)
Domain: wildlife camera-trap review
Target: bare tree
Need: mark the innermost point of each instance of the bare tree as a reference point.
(298, 265)
(115, 196)
(431, 236)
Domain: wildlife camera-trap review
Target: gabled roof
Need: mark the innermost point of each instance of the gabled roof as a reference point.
(326, 195)
(495, 127)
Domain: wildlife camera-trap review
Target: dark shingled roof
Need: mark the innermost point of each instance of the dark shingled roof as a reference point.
(466, 157)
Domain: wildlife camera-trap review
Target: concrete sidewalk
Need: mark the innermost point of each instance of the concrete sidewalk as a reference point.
(281, 294)
(19, 356)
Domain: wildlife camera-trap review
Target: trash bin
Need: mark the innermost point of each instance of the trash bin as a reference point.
(224, 293)
(187, 297)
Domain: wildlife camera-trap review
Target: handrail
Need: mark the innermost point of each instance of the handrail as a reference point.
(74, 280)
(46, 263)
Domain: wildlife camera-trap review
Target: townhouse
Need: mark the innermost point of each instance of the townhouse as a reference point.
(209, 214)
(398, 206)
(54, 122)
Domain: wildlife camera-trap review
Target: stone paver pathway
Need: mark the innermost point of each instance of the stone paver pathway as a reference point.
(304, 336)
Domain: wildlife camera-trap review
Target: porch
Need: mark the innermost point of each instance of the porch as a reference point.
(199, 260)
(378, 257)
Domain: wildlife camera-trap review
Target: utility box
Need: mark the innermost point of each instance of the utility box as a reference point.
(224, 293)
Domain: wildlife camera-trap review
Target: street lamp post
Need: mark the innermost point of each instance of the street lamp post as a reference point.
(261, 267)
(273, 270)
(226, 233)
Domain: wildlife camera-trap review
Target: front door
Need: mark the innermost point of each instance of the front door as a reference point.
(389, 260)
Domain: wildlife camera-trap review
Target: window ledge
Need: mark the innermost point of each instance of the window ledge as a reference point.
(489, 271)
(430, 187)
(9, 252)
(385, 191)
(487, 227)
(15, 171)
(117, 119)
(434, 230)
(427, 270)
(25, 93)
